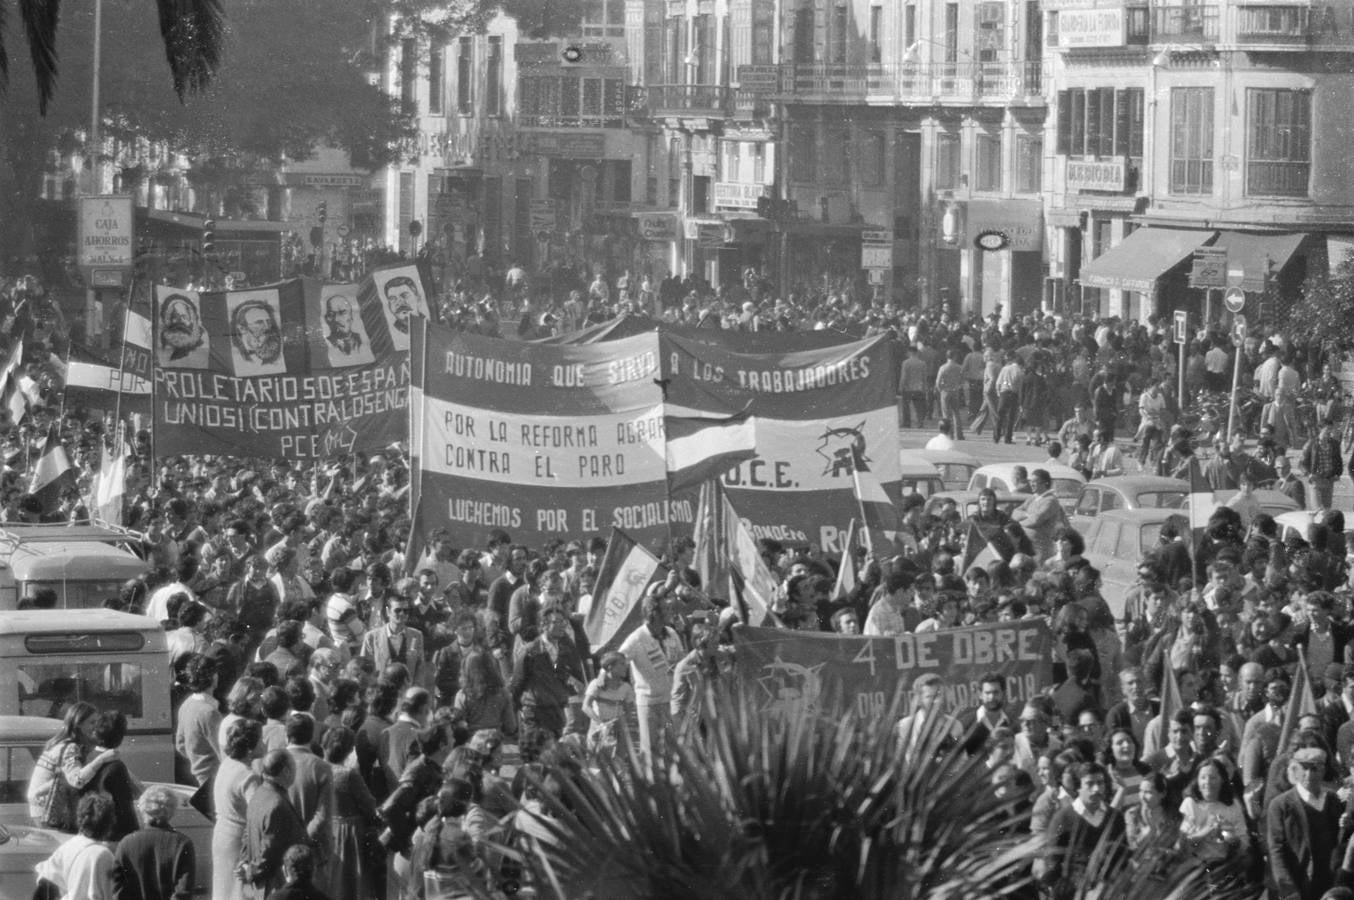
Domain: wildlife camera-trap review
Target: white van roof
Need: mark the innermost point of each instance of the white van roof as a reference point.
(65, 621)
(74, 561)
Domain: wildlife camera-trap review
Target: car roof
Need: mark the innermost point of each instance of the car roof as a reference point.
(948, 456)
(915, 467)
(1267, 498)
(1140, 483)
(75, 561)
(26, 729)
(1054, 470)
(62, 621)
(967, 496)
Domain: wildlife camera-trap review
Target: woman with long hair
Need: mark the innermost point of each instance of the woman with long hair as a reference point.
(1213, 826)
(483, 700)
(1122, 759)
(233, 784)
(351, 875)
(62, 769)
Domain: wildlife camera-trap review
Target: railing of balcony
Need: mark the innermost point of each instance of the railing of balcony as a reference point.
(1195, 22)
(713, 99)
(885, 81)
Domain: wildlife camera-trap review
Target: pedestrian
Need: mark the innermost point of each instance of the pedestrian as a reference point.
(197, 754)
(82, 867)
(62, 771)
(156, 862)
(349, 874)
(1301, 829)
(112, 778)
(272, 824)
(547, 672)
(231, 788)
(654, 649)
(298, 874)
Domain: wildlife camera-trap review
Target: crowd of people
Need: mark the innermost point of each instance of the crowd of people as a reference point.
(365, 719)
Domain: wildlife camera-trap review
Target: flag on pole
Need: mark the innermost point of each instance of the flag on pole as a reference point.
(1170, 700)
(110, 484)
(627, 571)
(698, 448)
(882, 530)
(847, 576)
(726, 552)
(1301, 701)
(985, 544)
(52, 473)
(1201, 501)
(14, 399)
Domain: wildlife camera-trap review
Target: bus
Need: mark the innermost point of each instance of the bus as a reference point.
(84, 564)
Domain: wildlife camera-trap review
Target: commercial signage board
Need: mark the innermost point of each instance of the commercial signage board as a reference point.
(1210, 268)
(760, 80)
(657, 226)
(1096, 175)
(105, 233)
(1085, 28)
(738, 194)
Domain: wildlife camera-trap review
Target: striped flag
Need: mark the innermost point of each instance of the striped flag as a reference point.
(703, 447)
(726, 551)
(14, 399)
(847, 576)
(1301, 702)
(110, 484)
(882, 531)
(52, 472)
(986, 544)
(1201, 501)
(627, 571)
(93, 383)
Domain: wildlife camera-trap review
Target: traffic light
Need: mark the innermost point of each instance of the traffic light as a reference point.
(209, 236)
(324, 211)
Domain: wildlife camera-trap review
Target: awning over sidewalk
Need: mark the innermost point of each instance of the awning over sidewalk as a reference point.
(1142, 258)
(1257, 253)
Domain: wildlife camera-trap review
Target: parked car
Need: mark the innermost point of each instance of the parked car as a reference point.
(1127, 492)
(967, 502)
(955, 466)
(21, 741)
(1117, 540)
(919, 475)
(1067, 481)
(1276, 503)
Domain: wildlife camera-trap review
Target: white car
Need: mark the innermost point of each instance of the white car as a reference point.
(1067, 481)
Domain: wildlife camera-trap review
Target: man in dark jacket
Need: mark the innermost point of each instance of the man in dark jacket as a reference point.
(155, 862)
(1321, 461)
(272, 823)
(547, 673)
(1302, 826)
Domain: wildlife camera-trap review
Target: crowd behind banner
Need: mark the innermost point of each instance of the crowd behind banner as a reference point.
(344, 700)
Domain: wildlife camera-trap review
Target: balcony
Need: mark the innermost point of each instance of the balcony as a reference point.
(704, 100)
(1282, 27)
(1197, 24)
(964, 83)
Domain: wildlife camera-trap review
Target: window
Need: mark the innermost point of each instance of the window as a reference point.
(947, 161)
(909, 25)
(45, 688)
(1029, 163)
(493, 77)
(1278, 142)
(804, 33)
(839, 28)
(987, 172)
(990, 38)
(876, 33)
(1272, 21)
(465, 68)
(604, 18)
(436, 87)
(1100, 122)
(951, 41)
(408, 72)
(835, 168)
(1191, 141)
(803, 152)
(872, 148)
(759, 163)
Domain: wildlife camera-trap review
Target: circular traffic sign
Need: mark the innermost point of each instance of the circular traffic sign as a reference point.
(343, 230)
(1234, 300)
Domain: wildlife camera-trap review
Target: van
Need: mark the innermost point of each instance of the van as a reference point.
(114, 660)
(84, 564)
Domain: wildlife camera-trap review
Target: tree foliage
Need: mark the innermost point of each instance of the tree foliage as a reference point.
(1321, 315)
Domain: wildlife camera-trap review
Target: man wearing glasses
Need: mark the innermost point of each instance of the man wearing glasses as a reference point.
(397, 641)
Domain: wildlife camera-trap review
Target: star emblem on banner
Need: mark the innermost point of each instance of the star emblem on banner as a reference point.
(791, 689)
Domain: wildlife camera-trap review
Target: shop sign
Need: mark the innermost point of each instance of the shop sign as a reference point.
(1096, 175)
(657, 226)
(1020, 221)
(992, 240)
(1091, 28)
(105, 238)
(328, 180)
(738, 195)
(566, 146)
(759, 80)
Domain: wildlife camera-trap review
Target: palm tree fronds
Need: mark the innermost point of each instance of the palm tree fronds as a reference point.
(194, 33)
(40, 18)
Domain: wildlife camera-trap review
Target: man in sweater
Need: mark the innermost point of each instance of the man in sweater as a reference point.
(1302, 826)
(654, 650)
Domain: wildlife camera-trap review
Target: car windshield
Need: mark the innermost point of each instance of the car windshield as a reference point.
(1162, 499)
(45, 689)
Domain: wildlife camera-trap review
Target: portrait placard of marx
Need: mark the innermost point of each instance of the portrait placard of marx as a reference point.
(182, 340)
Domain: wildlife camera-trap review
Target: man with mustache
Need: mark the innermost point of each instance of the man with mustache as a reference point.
(345, 342)
(183, 340)
(257, 338)
(403, 300)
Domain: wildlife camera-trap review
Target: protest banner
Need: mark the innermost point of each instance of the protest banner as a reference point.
(815, 411)
(294, 370)
(539, 440)
(810, 673)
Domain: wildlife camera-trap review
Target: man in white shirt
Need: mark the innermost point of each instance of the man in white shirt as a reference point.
(654, 650)
(943, 439)
(1106, 459)
(928, 729)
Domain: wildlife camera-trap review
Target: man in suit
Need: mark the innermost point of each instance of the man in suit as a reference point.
(1302, 828)
(312, 790)
(271, 823)
(1041, 515)
(397, 641)
(409, 736)
(991, 713)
